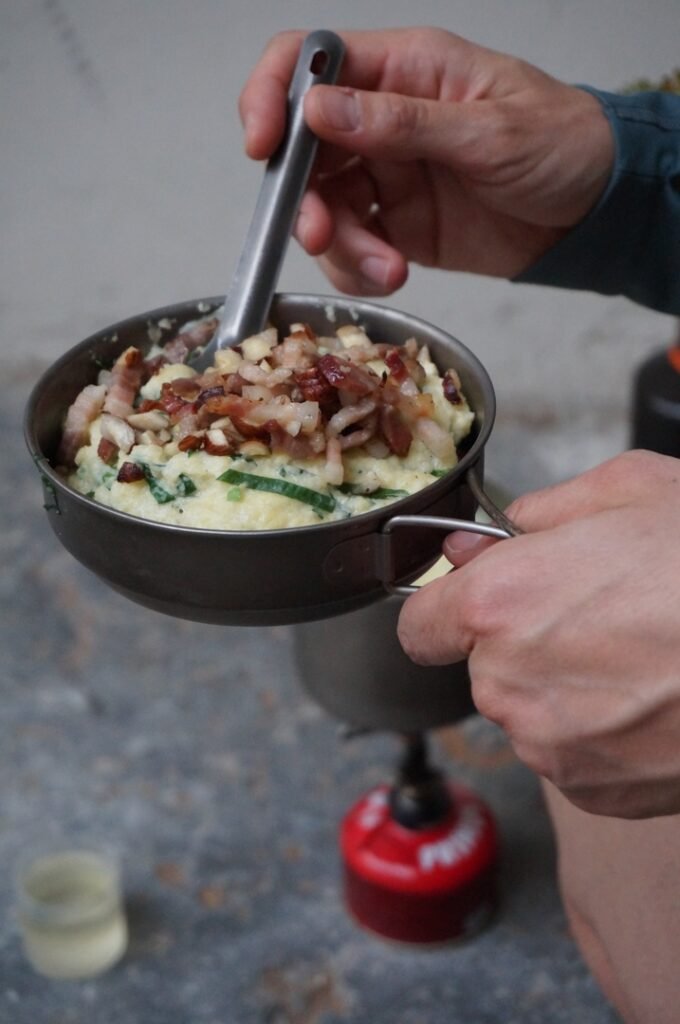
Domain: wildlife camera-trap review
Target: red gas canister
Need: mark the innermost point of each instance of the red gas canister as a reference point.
(420, 862)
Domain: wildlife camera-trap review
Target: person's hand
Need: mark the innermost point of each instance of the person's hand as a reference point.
(436, 151)
(573, 633)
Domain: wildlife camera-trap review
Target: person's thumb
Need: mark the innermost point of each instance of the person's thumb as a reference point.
(392, 126)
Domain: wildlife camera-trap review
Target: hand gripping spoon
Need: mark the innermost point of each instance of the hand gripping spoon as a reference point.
(246, 306)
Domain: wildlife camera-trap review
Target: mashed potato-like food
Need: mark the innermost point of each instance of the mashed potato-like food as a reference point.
(278, 433)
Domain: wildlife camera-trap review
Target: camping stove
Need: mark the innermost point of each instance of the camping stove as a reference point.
(420, 856)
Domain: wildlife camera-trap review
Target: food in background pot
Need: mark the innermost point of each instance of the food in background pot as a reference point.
(280, 432)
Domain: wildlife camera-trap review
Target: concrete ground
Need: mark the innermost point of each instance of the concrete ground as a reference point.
(193, 749)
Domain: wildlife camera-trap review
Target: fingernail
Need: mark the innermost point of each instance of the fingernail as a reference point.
(301, 226)
(339, 108)
(462, 541)
(374, 269)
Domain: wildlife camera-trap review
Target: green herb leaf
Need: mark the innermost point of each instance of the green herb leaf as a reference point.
(185, 486)
(322, 502)
(157, 490)
(438, 472)
(234, 494)
(378, 494)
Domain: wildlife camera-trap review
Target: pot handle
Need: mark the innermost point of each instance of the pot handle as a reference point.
(502, 529)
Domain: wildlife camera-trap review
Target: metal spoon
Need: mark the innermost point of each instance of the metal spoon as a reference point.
(247, 303)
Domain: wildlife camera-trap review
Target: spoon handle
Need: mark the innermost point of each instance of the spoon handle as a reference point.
(248, 300)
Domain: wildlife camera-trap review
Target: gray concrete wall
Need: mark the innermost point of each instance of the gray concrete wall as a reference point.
(125, 187)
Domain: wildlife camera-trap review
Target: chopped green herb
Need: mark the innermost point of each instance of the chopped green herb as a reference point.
(159, 492)
(438, 472)
(379, 493)
(388, 492)
(185, 486)
(234, 494)
(322, 502)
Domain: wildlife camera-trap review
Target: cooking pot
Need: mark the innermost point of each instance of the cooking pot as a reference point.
(262, 577)
(354, 667)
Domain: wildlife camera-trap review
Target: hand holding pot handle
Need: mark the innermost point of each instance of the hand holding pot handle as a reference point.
(502, 529)
(571, 634)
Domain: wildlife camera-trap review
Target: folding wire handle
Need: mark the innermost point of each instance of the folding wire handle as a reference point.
(503, 529)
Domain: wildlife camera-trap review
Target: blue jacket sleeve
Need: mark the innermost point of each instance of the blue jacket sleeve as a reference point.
(629, 244)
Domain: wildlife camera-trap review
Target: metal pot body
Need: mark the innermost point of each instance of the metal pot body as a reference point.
(264, 577)
(354, 667)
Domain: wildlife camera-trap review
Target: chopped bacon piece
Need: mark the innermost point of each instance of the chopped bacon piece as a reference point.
(307, 397)
(395, 430)
(126, 377)
(434, 437)
(216, 442)
(348, 415)
(209, 393)
(153, 365)
(395, 365)
(129, 473)
(81, 413)
(346, 376)
(280, 441)
(176, 408)
(106, 450)
(190, 338)
(117, 431)
(190, 443)
(357, 438)
(147, 404)
(315, 388)
(186, 387)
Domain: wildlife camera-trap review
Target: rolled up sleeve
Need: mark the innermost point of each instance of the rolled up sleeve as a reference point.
(629, 244)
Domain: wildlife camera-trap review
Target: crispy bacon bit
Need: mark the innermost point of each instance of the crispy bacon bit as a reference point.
(395, 431)
(302, 446)
(191, 443)
(190, 338)
(348, 415)
(118, 431)
(434, 437)
(126, 377)
(208, 394)
(346, 376)
(130, 473)
(315, 388)
(106, 450)
(186, 387)
(395, 365)
(81, 413)
(216, 442)
(307, 397)
(153, 365)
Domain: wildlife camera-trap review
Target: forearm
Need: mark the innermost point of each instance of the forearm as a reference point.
(619, 881)
(629, 244)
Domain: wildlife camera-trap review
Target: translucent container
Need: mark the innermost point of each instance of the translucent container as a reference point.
(71, 913)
